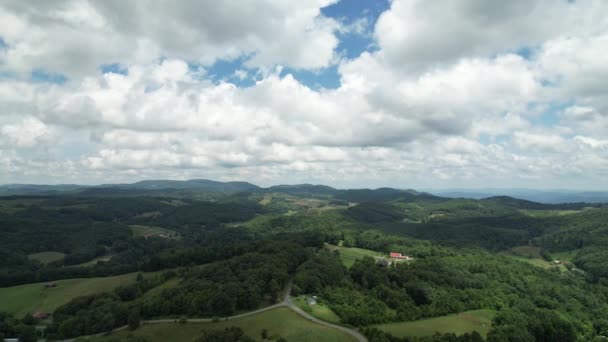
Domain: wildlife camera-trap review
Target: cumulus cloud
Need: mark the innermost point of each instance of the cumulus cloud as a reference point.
(419, 34)
(76, 37)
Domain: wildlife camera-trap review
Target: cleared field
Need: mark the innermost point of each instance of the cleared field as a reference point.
(266, 200)
(103, 258)
(531, 255)
(152, 231)
(546, 213)
(279, 322)
(348, 255)
(318, 310)
(565, 256)
(464, 322)
(47, 257)
(526, 251)
(22, 299)
(171, 283)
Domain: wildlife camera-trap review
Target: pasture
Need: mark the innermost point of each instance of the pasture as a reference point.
(21, 299)
(464, 322)
(279, 322)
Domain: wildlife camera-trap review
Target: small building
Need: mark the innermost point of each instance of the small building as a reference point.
(311, 301)
(557, 262)
(49, 285)
(395, 255)
(41, 315)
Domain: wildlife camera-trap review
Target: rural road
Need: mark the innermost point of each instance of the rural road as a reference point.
(287, 302)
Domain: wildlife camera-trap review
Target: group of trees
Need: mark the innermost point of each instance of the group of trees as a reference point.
(11, 327)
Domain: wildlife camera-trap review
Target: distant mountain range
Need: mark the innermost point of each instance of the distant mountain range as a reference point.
(160, 187)
(541, 196)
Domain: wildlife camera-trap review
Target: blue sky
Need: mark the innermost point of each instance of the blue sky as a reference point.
(350, 93)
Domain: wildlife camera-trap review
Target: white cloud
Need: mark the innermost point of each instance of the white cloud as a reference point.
(76, 37)
(418, 34)
(26, 133)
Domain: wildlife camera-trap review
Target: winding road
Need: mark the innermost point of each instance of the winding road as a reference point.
(287, 302)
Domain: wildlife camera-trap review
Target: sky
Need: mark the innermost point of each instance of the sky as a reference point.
(350, 93)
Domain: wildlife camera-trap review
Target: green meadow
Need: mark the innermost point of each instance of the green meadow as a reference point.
(464, 322)
(21, 299)
(47, 257)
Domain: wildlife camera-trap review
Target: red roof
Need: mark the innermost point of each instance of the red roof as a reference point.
(395, 254)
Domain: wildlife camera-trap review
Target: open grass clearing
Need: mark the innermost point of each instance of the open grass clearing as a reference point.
(93, 262)
(21, 299)
(348, 255)
(319, 310)
(47, 257)
(547, 213)
(153, 231)
(279, 322)
(464, 322)
(526, 251)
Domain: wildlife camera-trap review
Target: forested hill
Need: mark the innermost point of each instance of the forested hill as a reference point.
(530, 205)
(204, 188)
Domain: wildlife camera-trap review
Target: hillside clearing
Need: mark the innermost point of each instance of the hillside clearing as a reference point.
(152, 231)
(348, 255)
(47, 257)
(464, 322)
(20, 300)
(318, 310)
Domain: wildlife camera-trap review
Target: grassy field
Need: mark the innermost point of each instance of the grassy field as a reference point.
(531, 255)
(348, 255)
(279, 322)
(565, 256)
(526, 251)
(103, 258)
(547, 213)
(171, 283)
(22, 299)
(469, 321)
(266, 200)
(153, 231)
(47, 257)
(318, 310)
